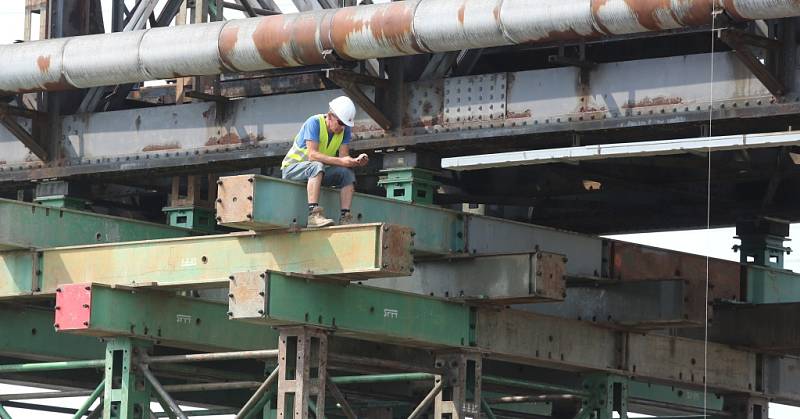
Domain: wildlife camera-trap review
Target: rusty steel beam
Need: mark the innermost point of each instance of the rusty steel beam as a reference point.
(352, 33)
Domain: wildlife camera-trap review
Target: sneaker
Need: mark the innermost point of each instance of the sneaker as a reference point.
(346, 218)
(317, 219)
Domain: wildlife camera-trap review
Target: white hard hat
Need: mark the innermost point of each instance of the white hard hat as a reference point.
(344, 109)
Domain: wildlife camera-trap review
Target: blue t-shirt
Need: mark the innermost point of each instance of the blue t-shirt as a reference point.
(310, 131)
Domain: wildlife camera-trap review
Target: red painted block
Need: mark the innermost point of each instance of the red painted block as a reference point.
(73, 307)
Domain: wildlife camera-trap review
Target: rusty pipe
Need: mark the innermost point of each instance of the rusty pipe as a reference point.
(353, 33)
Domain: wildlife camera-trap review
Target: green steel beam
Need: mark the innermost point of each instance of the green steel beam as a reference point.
(28, 333)
(161, 317)
(771, 285)
(28, 225)
(648, 394)
(347, 252)
(349, 309)
(263, 203)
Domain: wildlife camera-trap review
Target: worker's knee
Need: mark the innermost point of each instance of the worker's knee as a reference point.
(315, 169)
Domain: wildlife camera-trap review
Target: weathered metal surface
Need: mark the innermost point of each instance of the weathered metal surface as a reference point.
(619, 95)
(189, 323)
(26, 225)
(500, 279)
(763, 327)
(364, 32)
(572, 344)
(346, 252)
(350, 310)
(640, 305)
(633, 262)
(769, 285)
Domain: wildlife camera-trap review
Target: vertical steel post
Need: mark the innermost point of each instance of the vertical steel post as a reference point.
(127, 391)
(302, 363)
(461, 392)
(607, 394)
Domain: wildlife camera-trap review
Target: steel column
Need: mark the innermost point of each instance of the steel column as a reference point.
(127, 392)
(461, 389)
(302, 372)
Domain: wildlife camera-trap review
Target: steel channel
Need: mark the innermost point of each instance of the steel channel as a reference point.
(381, 378)
(218, 356)
(52, 366)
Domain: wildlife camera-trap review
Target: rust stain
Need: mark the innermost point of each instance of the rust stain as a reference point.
(647, 10)
(61, 84)
(270, 35)
(524, 114)
(461, 13)
(229, 138)
(227, 41)
(592, 109)
(427, 107)
(43, 62)
(3, 162)
(390, 26)
(160, 147)
(304, 40)
(496, 13)
(655, 101)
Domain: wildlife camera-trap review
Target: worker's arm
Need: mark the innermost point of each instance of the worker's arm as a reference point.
(361, 160)
(343, 160)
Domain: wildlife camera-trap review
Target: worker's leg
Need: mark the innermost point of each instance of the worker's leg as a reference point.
(344, 179)
(314, 173)
(313, 187)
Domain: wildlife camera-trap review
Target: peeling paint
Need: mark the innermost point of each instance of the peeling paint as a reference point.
(160, 147)
(654, 101)
(524, 114)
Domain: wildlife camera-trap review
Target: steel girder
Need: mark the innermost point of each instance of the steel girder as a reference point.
(26, 226)
(347, 252)
(437, 231)
(157, 316)
(665, 91)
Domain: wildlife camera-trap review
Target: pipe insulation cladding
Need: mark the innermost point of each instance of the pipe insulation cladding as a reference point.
(353, 33)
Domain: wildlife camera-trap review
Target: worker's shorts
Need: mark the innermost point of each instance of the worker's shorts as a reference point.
(334, 175)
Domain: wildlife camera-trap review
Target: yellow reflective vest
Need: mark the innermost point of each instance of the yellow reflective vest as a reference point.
(329, 147)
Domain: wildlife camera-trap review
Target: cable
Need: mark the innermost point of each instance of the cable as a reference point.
(714, 13)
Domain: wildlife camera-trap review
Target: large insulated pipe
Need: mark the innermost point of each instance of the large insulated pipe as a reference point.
(354, 33)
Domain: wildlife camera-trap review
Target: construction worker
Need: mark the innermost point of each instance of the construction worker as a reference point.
(320, 154)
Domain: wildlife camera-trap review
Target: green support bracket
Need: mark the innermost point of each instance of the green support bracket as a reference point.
(193, 218)
(61, 201)
(409, 184)
(156, 316)
(762, 242)
(28, 226)
(127, 391)
(349, 310)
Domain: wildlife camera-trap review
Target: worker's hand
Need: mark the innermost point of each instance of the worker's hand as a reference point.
(362, 159)
(350, 162)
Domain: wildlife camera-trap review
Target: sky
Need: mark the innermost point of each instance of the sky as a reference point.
(715, 243)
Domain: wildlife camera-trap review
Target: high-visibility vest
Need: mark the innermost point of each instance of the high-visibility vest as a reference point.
(298, 154)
